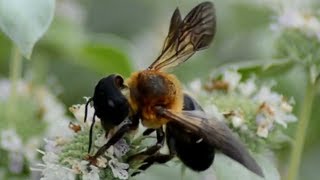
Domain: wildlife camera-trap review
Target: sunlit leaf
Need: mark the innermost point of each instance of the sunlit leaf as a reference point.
(24, 22)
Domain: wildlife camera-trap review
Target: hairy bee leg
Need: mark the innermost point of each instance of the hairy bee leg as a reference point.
(158, 158)
(153, 149)
(114, 139)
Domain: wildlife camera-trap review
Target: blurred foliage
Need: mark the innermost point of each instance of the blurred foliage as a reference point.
(90, 39)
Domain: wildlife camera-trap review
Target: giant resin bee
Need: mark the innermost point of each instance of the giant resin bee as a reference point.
(155, 98)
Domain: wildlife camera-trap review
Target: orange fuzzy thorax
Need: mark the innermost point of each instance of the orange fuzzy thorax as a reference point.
(150, 88)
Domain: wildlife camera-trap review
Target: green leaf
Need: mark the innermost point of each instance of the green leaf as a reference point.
(24, 22)
(105, 58)
(228, 169)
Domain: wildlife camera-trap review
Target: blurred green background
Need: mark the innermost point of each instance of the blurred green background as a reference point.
(91, 39)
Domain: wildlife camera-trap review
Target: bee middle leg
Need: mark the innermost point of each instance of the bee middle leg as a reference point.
(158, 157)
(153, 149)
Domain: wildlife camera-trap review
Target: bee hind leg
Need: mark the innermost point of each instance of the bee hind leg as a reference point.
(156, 158)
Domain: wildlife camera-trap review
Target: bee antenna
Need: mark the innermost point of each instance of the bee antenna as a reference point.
(91, 131)
(86, 109)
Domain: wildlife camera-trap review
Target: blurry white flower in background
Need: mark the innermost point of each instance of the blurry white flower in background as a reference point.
(247, 106)
(212, 111)
(29, 149)
(232, 78)
(248, 87)
(5, 88)
(49, 111)
(195, 86)
(274, 106)
(51, 170)
(54, 114)
(294, 14)
(10, 140)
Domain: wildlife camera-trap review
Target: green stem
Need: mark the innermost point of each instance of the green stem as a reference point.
(293, 171)
(14, 76)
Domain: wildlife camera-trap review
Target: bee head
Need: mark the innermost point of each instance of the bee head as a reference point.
(110, 105)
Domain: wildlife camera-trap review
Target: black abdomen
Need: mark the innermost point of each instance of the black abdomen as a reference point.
(189, 147)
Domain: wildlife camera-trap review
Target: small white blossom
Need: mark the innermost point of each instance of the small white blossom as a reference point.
(195, 86)
(232, 78)
(282, 117)
(247, 88)
(78, 111)
(10, 140)
(51, 146)
(87, 172)
(292, 16)
(213, 112)
(50, 158)
(286, 107)
(54, 114)
(264, 125)
(121, 148)
(16, 162)
(55, 171)
(30, 149)
(119, 169)
(274, 106)
(93, 174)
(237, 121)
(101, 162)
(5, 88)
(52, 170)
(265, 95)
(79, 167)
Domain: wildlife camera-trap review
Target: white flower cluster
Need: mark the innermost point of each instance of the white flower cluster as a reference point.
(5, 88)
(54, 167)
(24, 152)
(291, 15)
(269, 107)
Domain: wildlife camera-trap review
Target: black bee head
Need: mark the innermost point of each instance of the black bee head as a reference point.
(110, 105)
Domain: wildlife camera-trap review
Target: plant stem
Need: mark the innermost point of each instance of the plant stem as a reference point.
(14, 76)
(300, 135)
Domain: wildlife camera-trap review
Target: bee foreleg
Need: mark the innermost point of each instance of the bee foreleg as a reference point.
(114, 139)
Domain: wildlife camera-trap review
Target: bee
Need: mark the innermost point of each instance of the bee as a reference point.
(156, 99)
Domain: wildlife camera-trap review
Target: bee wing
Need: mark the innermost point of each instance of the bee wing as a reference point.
(186, 37)
(215, 133)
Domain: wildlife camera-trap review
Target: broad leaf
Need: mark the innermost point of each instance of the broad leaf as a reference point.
(24, 22)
